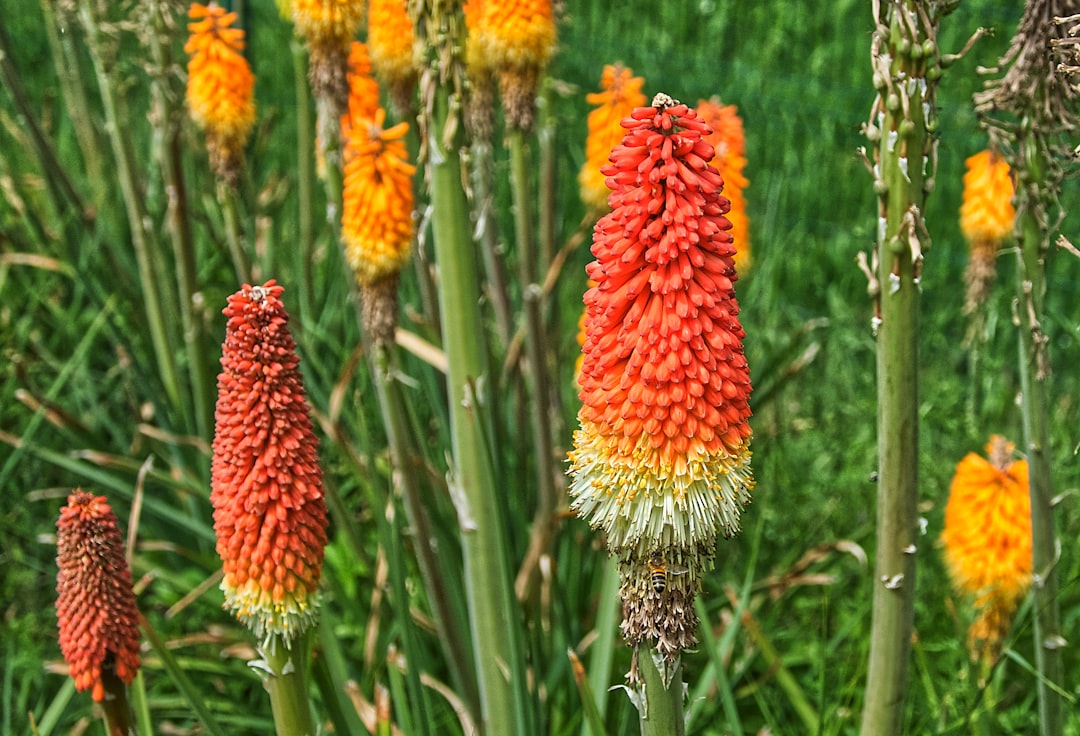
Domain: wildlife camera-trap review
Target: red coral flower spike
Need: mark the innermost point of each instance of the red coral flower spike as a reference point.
(267, 492)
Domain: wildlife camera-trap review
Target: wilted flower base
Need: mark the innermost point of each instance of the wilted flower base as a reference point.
(657, 593)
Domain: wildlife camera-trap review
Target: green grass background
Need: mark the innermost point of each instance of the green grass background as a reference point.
(73, 336)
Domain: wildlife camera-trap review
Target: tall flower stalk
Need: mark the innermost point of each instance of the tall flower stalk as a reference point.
(498, 650)
(1026, 111)
(267, 493)
(661, 460)
(906, 68)
(95, 606)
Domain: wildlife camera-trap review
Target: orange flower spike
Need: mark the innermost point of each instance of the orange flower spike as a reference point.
(986, 219)
(390, 41)
(987, 213)
(363, 90)
(220, 90)
(266, 483)
(376, 224)
(987, 535)
(620, 94)
(663, 447)
(729, 140)
(95, 605)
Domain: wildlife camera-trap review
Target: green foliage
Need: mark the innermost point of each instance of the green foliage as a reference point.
(82, 401)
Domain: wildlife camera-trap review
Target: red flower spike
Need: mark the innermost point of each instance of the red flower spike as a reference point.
(267, 493)
(661, 460)
(95, 604)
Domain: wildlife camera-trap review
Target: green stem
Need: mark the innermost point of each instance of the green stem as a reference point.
(487, 233)
(903, 144)
(1035, 407)
(115, 708)
(660, 710)
(536, 352)
(407, 467)
(602, 651)
(234, 232)
(179, 224)
(285, 680)
(305, 174)
(496, 628)
(145, 253)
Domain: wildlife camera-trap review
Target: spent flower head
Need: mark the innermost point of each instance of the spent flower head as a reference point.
(661, 460)
(266, 483)
(95, 604)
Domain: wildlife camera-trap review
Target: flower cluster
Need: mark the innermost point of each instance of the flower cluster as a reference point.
(220, 89)
(987, 539)
(515, 39)
(95, 604)
(390, 41)
(377, 219)
(729, 140)
(620, 92)
(266, 483)
(329, 27)
(661, 460)
(986, 219)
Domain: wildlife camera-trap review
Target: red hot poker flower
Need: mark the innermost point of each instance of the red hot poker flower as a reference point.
(95, 604)
(267, 493)
(661, 460)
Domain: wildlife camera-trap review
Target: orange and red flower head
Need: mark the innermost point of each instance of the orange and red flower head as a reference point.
(987, 538)
(729, 141)
(661, 461)
(95, 605)
(220, 90)
(620, 94)
(266, 483)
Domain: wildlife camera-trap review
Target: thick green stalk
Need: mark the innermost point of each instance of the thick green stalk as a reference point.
(229, 200)
(145, 253)
(496, 626)
(115, 708)
(660, 710)
(902, 53)
(285, 679)
(305, 174)
(408, 465)
(536, 349)
(1035, 408)
(179, 222)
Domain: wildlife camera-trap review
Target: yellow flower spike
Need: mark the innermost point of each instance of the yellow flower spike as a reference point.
(620, 94)
(328, 27)
(514, 39)
(987, 540)
(986, 219)
(220, 90)
(729, 139)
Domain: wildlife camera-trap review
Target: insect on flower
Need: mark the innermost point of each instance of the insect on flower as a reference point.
(659, 570)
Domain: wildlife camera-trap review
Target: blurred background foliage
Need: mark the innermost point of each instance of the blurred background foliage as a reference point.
(82, 401)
